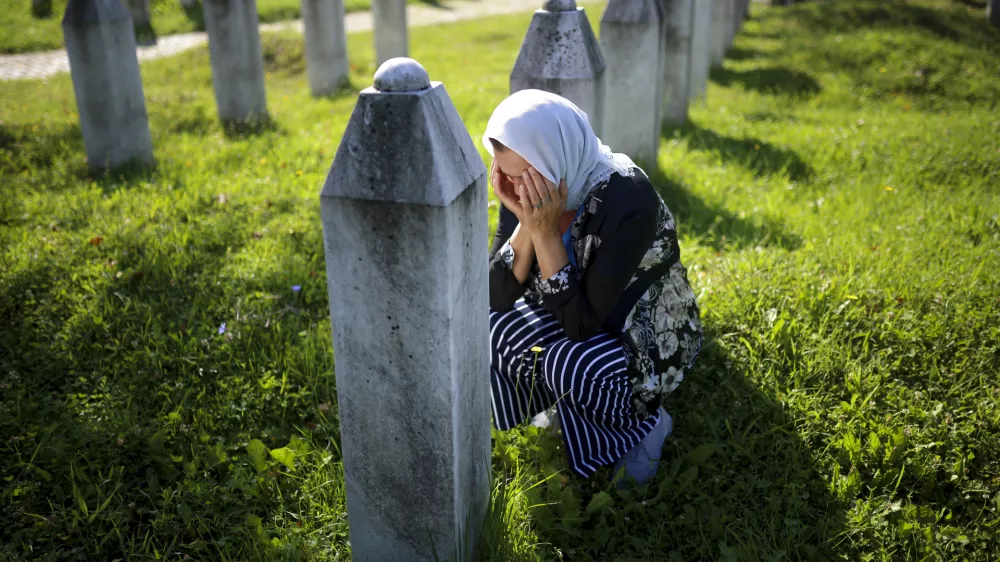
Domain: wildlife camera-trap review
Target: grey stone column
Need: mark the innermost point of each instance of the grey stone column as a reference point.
(679, 20)
(326, 45)
(237, 62)
(100, 43)
(389, 24)
(560, 54)
(732, 19)
(720, 24)
(701, 49)
(632, 43)
(404, 213)
(993, 12)
(140, 21)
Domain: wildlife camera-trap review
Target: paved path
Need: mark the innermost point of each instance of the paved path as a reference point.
(41, 65)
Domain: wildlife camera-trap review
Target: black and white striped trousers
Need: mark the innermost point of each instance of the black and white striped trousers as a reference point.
(533, 365)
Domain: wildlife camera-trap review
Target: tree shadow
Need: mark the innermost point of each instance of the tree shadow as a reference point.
(956, 24)
(741, 53)
(757, 155)
(736, 482)
(775, 81)
(41, 9)
(195, 14)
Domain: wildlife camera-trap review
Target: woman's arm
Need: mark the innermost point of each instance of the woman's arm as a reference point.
(582, 302)
(508, 269)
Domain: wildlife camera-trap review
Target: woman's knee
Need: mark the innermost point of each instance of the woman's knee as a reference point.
(558, 369)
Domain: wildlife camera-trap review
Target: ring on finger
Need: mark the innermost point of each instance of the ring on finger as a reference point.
(539, 205)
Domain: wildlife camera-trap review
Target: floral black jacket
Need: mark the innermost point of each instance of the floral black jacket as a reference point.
(628, 280)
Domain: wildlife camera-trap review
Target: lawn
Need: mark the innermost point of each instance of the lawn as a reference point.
(165, 393)
(23, 32)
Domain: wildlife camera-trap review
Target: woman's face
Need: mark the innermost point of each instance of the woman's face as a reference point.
(511, 165)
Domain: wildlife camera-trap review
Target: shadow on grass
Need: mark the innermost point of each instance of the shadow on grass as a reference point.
(957, 25)
(736, 482)
(251, 128)
(768, 80)
(195, 14)
(757, 155)
(114, 385)
(716, 226)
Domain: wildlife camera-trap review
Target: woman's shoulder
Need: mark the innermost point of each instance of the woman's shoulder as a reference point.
(630, 193)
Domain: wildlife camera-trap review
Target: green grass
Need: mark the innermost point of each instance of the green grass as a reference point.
(839, 205)
(24, 32)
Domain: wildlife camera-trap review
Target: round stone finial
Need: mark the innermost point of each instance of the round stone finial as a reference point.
(559, 5)
(401, 74)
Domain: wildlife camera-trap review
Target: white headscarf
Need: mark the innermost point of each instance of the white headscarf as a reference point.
(556, 138)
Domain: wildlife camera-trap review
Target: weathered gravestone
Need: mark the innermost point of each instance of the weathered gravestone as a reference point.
(679, 19)
(144, 34)
(389, 24)
(326, 45)
(732, 22)
(701, 49)
(404, 213)
(993, 12)
(632, 43)
(720, 23)
(560, 54)
(237, 61)
(100, 43)
(189, 3)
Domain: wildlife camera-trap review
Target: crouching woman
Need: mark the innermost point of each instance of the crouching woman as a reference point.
(590, 308)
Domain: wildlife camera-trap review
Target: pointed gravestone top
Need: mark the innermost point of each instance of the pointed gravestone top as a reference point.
(92, 11)
(405, 142)
(559, 5)
(401, 74)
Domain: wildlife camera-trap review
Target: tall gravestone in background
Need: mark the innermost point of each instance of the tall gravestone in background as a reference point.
(100, 43)
(237, 61)
(993, 12)
(389, 24)
(701, 49)
(326, 45)
(679, 20)
(560, 54)
(732, 21)
(404, 213)
(720, 23)
(632, 43)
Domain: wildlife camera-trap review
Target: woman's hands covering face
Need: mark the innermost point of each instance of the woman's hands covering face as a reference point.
(542, 203)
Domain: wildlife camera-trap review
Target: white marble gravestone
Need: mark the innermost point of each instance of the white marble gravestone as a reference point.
(631, 40)
(701, 49)
(100, 43)
(560, 54)
(389, 25)
(237, 61)
(326, 45)
(404, 212)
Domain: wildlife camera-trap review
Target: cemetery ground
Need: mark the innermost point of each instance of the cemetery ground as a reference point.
(22, 32)
(166, 386)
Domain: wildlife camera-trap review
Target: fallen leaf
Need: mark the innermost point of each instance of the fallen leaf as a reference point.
(96, 241)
